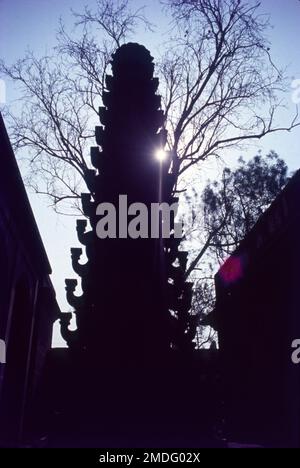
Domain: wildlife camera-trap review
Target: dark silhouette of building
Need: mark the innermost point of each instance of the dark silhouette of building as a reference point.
(257, 318)
(27, 302)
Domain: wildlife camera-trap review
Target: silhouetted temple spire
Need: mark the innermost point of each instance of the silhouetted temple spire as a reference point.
(135, 303)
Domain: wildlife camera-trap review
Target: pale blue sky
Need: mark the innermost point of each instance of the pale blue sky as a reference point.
(33, 24)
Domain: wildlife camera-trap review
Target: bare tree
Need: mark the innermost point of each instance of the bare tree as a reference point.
(59, 99)
(221, 85)
(220, 88)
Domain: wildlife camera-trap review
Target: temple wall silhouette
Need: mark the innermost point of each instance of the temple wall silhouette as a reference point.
(257, 316)
(27, 301)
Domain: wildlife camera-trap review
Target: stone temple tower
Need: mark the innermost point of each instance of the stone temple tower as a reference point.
(135, 303)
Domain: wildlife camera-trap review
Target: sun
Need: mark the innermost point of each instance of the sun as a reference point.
(161, 155)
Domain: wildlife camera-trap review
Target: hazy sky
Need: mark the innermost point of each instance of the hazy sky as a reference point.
(33, 24)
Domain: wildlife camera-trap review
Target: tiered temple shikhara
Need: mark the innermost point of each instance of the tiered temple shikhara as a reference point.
(135, 302)
(133, 317)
